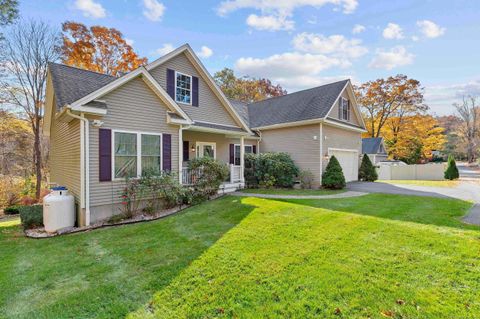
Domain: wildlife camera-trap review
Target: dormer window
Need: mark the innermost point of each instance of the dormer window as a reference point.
(183, 88)
(344, 109)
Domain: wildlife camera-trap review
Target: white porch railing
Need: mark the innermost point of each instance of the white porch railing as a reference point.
(235, 173)
(188, 176)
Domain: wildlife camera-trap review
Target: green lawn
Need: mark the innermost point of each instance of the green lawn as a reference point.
(370, 256)
(445, 183)
(289, 191)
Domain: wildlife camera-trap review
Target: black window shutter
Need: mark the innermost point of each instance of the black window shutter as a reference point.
(348, 110)
(340, 109)
(186, 149)
(194, 91)
(167, 152)
(232, 154)
(254, 149)
(171, 83)
(105, 154)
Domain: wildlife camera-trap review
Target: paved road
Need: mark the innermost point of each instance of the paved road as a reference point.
(469, 172)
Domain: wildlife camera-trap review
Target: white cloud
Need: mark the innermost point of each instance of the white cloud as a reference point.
(277, 14)
(292, 70)
(154, 10)
(130, 42)
(358, 28)
(166, 48)
(205, 52)
(334, 45)
(415, 38)
(393, 31)
(90, 8)
(430, 29)
(285, 7)
(270, 22)
(397, 56)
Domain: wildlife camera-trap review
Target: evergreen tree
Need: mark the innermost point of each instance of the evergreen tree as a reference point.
(452, 171)
(367, 170)
(333, 176)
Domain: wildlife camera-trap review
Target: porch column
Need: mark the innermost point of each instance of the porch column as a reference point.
(180, 154)
(242, 158)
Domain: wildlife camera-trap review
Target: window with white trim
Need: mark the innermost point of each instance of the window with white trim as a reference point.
(183, 88)
(136, 153)
(344, 109)
(248, 149)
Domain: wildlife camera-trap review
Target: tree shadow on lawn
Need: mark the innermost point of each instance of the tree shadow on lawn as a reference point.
(108, 272)
(436, 211)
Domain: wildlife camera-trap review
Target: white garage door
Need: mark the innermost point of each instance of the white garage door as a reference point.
(349, 161)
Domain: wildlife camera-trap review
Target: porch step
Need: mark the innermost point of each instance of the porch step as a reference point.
(230, 187)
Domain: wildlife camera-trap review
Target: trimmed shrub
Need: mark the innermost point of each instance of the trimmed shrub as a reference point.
(333, 176)
(207, 177)
(367, 170)
(12, 210)
(306, 179)
(265, 168)
(452, 171)
(31, 216)
(161, 190)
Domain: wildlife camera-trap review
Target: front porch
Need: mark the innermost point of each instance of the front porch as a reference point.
(227, 145)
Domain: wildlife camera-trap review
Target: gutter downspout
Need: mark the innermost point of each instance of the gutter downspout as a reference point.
(84, 163)
(321, 152)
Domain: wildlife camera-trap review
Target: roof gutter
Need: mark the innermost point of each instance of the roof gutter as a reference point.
(84, 162)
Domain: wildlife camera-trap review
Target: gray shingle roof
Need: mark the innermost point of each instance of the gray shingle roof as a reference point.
(71, 84)
(218, 126)
(242, 110)
(372, 145)
(302, 105)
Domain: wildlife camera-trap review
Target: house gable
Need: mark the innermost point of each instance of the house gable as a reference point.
(355, 114)
(212, 107)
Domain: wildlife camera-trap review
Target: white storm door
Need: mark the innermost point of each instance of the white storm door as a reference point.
(205, 149)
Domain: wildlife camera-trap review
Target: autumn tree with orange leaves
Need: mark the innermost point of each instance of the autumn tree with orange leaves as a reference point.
(384, 99)
(98, 49)
(246, 89)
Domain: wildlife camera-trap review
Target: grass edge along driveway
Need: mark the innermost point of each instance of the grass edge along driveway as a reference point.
(377, 255)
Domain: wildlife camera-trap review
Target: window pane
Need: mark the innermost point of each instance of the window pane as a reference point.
(248, 149)
(151, 154)
(183, 88)
(208, 151)
(125, 166)
(125, 152)
(151, 164)
(237, 155)
(150, 144)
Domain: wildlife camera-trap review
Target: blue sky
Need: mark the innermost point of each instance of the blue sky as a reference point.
(302, 43)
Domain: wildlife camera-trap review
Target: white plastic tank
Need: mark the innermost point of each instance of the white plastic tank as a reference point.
(58, 210)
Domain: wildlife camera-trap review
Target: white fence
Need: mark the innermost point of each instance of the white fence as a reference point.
(189, 176)
(429, 172)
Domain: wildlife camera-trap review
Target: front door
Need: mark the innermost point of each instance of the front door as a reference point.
(206, 149)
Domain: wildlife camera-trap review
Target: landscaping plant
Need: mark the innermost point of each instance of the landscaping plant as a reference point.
(208, 176)
(306, 179)
(12, 210)
(131, 196)
(264, 168)
(333, 176)
(31, 216)
(367, 170)
(451, 172)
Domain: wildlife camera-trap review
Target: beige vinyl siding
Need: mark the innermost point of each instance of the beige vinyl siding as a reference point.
(131, 107)
(210, 109)
(64, 156)
(353, 117)
(222, 143)
(300, 143)
(334, 137)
